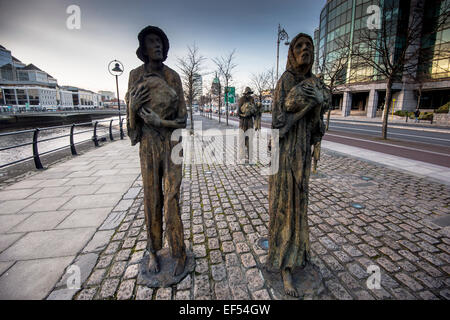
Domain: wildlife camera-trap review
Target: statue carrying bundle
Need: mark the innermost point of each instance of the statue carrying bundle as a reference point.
(162, 99)
(248, 109)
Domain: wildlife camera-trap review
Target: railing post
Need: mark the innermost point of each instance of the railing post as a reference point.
(72, 144)
(37, 160)
(121, 129)
(94, 138)
(110, 130)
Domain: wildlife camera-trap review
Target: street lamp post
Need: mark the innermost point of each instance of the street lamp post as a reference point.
(117, 71)
(282, 35)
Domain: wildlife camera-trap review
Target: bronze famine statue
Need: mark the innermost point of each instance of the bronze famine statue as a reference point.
(156, 107)
(246, 111)
(300, 101)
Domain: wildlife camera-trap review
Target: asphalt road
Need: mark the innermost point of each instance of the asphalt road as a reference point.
(407, 142)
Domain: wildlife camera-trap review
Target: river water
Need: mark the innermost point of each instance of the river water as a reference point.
(10, 155)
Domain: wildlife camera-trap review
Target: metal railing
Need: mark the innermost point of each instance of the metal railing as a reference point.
(37, 156)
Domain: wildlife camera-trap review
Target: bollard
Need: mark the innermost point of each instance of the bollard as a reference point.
(110, 131)
(72, 144)
(121, 129)
(37, 160)
(94, 138)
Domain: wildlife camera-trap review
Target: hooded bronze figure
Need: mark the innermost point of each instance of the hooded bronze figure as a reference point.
(156, 107)
(300, 101)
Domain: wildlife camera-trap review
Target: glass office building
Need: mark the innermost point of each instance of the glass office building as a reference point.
(361, 90)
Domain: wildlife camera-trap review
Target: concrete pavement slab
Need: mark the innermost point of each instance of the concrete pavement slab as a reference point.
(82, 181)
(9, 221)
(82, 190)
(120, 187)
(14, 206)
(99, 241)
(84, 218)
(17, 194)
(7, 240)
(5, 266)
(49, 192)
(48, 244)
(33, 279)
(117, 178)
(92, 201)
(24, 184)
(46, 204)
(41, 221)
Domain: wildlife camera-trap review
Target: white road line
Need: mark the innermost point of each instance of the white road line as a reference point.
(392, 125)
(389, 133)
(387, 144)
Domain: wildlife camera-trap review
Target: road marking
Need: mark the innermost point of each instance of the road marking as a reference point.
(387, 144)
(390, 133)
(392, 125)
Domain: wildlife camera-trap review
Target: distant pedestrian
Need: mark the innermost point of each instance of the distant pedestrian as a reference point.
(416, 115)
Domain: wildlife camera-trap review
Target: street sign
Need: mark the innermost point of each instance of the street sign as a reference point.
(231, 94)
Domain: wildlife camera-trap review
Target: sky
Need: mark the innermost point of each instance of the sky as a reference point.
(35, 31)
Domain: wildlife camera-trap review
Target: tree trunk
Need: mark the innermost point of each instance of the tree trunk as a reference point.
(192, 121)
(328, 119)
(387, 108)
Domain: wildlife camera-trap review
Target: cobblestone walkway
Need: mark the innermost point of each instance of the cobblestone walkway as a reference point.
(402, 228)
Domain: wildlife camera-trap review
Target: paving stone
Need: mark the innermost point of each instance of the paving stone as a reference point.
(125, 291)
(87, 294)
(108, 288)
(144, 293)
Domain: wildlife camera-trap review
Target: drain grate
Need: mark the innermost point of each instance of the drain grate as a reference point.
(443, 221)
(263, 243)
(357, 205)
(363, 185)
(260, 187)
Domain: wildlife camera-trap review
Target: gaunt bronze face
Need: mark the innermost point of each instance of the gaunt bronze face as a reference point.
(303, 51)
(153, 47)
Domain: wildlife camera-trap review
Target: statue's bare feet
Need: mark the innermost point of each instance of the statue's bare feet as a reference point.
(179, 266)
(288, 285)
(153, 265)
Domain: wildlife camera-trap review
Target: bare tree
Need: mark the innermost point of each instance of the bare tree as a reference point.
(390, 56)
(225, 66)
(271, 82)
(260, 83)
(190, 67)
(334, 71)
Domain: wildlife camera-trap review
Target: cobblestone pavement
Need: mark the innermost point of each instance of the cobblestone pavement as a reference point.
(401, 229)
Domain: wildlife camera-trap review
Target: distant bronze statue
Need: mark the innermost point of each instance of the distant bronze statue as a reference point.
(316, 156)
(156, 107)
(246, 111)
(300, 101)
(258, 114)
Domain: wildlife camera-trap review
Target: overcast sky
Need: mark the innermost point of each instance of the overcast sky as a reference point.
(35, 32)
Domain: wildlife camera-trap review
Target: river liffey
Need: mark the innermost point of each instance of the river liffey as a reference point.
(81, 133)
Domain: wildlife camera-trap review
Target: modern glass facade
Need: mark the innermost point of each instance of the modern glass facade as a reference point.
(345, 24)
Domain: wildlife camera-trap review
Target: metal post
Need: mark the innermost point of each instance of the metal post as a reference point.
(118, 103)
(94, 138)
(110, 131)
(72, 144)
(37, 160)
(278, 47)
